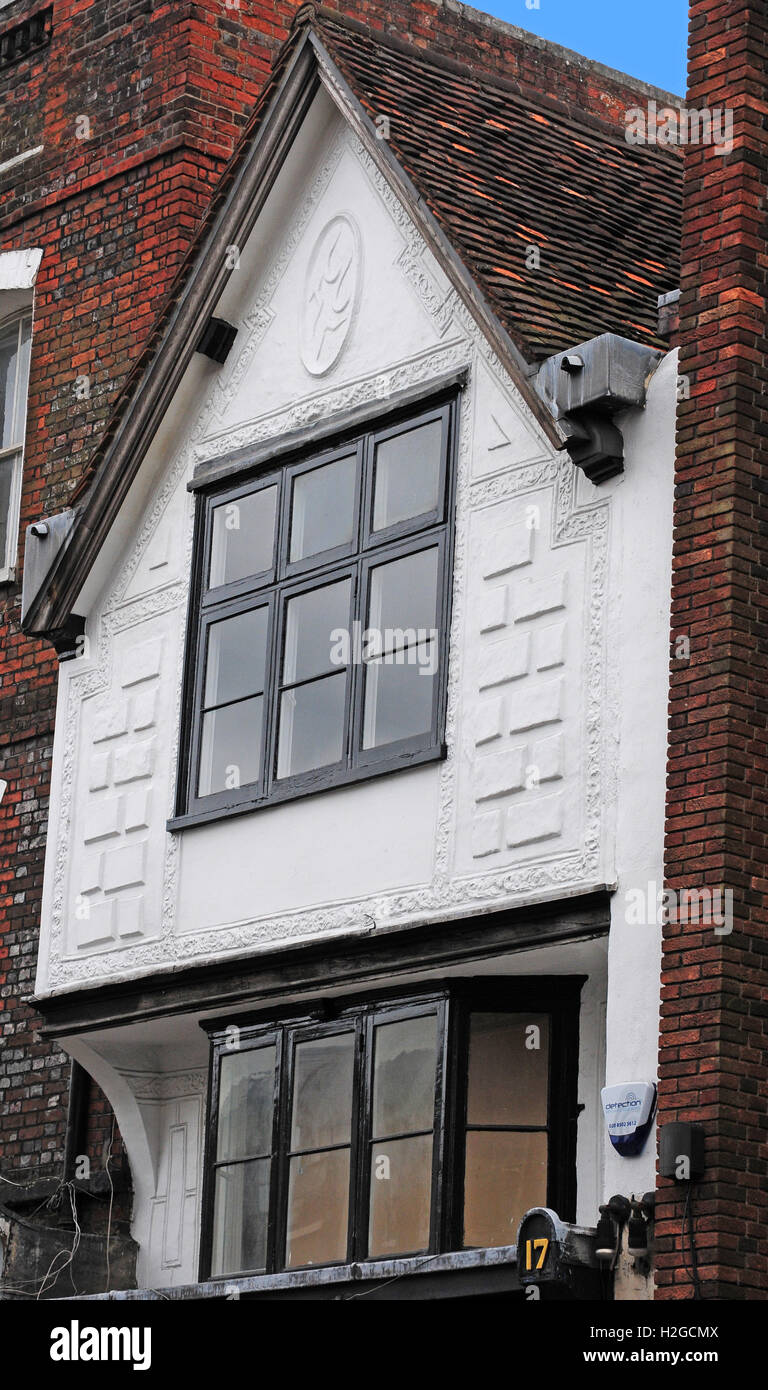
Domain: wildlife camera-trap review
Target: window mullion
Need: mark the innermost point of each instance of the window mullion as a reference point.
(272, 692)
(278, 1198)
(441, 1167)
(357, 669)
(359, 1216)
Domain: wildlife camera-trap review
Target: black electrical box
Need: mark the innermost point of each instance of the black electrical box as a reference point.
(216, 339)
(681, 1151)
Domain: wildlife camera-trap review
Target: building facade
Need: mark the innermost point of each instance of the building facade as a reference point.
(352, 893)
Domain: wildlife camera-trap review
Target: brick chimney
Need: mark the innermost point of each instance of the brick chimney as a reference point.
(713, 1062)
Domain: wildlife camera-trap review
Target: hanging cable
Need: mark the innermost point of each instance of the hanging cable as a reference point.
(693, 1270)
(111, 1198)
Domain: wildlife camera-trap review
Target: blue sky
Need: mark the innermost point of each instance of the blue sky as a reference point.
(645, 39)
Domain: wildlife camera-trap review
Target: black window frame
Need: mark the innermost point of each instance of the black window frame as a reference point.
(287, 578)
(453, 1002)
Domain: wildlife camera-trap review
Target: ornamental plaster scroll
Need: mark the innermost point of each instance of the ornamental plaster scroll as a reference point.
(446, 895)
(331, 294)
(165, 1086)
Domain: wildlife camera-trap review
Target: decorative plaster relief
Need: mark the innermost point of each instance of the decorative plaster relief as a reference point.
(519, 580)
(115, 846)
(331, 294)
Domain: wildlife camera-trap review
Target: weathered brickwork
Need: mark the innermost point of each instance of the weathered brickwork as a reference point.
(714, 1034)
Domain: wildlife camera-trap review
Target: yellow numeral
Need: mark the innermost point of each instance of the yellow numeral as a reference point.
(541, 1245)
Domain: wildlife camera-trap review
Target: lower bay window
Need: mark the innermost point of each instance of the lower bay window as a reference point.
(390, 1127)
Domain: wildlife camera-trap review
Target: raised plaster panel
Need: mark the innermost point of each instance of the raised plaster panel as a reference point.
(111, 899)
(99, 771)
(93, 924)
(411, 847)
(495, 606)
(524, 706)
(506, 660)
(499, 775)
(102, 819)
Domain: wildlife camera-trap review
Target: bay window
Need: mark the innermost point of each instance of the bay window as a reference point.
(390, 1127)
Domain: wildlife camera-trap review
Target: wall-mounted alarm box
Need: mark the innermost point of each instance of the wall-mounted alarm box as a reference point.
(629, 1110)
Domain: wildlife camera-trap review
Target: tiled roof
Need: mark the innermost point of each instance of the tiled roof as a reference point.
(503, 169)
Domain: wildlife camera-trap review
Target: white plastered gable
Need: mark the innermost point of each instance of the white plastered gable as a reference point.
(515, 812)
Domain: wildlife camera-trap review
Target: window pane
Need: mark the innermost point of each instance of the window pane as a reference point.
(241, 1208)
(230, 747)
(310, 623)
(311, 726)
(401, 1183)
(322, 1092)
(508, 1072)
(318, 1202)
(243, 539)
(9, 348)
(246, 1097)
(237, 654)
(403, 603)
(404, 1075)
(506, 1174)
(399, 695)
(323, 508)
(407, 475)
(6, 482)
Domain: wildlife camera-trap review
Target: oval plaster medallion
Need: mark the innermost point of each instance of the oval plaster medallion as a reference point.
(331, 290)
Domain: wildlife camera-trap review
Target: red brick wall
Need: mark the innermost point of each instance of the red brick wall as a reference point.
(714, 1036)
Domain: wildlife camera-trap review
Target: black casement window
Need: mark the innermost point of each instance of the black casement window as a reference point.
(398, 1126)
(318, 628)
